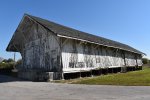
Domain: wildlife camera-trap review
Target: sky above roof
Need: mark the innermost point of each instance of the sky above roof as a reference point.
(126, 21)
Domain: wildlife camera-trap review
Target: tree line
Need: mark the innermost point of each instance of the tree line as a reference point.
(9, 63)
(145, 61)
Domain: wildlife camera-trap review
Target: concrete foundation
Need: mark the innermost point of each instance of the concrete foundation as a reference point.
(39, 76)
(35, 75)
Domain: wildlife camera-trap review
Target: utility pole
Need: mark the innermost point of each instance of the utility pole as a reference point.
(14, 60)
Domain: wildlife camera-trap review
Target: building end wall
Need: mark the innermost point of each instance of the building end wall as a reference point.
(39, 76)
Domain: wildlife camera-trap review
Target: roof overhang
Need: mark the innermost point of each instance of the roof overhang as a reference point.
(18, 38)
(98, 44)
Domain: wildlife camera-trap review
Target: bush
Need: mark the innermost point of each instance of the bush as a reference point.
(8, 61)
(4, 65)
(145, 60)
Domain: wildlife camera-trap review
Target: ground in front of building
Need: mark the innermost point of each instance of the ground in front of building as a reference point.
(16, 89)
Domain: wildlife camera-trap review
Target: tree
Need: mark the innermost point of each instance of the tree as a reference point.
(145, 60)
(10, 60)
(5, 61)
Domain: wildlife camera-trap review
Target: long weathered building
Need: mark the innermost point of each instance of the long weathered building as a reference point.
(50, 50)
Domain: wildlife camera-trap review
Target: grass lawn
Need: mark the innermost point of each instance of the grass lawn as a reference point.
(135, 78)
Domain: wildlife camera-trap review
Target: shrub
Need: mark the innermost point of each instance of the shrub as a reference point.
(8, 61)
(145, 60)
(4, 65)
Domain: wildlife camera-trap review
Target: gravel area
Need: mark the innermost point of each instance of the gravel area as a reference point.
(16, 89)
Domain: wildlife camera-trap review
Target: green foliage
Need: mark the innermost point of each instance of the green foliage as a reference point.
(136, 78)
(5, 61)
(19, 62)
(7, 64)
(8, 61)
(4, 65)
(145, 60)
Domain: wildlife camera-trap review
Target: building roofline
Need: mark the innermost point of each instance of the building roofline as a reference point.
(63, 31)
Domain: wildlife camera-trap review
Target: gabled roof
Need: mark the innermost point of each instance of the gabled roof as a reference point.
(67, 32)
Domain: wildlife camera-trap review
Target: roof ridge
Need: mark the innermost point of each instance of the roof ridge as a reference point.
(71, 32)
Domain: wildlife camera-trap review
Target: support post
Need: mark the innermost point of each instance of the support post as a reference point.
(136, 62)
(91, 74)
(14, 60)
(80, 73)
(62, 75)
(124, 68)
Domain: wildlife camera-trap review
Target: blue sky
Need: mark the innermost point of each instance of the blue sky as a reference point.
(126, 21)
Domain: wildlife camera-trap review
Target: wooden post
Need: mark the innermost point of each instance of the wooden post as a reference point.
(107, 70)
(91, 73)
(136, 62)
(80, 73)
(14, 60)
(124, 69)
(62, 75)
(100, 71)
(61, 65)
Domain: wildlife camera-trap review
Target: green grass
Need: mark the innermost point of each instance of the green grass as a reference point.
(135, 78)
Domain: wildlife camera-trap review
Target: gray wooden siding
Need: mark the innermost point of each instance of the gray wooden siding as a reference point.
(139, 60)
(78, 56)
(41, 50)
(44, 50)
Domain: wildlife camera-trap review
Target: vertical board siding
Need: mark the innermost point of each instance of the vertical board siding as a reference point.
(80, 54)
(66, 55)
(85, 56)
(97, 57)
(42, 50)
(130, 59)
(139, 60)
